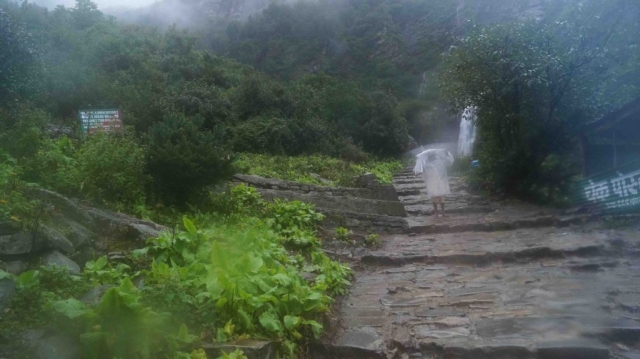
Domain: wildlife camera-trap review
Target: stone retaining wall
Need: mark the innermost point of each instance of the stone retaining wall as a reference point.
(376, 192)
(350, 203)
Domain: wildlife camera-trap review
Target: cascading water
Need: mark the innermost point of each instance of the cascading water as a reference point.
(467, 131)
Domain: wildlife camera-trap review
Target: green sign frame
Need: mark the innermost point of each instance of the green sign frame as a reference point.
(614, 191)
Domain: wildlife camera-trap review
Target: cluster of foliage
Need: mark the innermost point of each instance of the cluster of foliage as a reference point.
(215, 278)
(343, 234)
(393, 44)
(179, 97)
(15, 205)
(537, 83)
(319, 170)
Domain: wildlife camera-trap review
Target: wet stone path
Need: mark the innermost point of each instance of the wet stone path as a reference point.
(517, 282)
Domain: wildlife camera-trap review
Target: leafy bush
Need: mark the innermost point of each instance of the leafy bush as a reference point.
(22, 131)
(184, 159)
(34, 290)
(15, 205)
(54, 166)
(266, 135)
(372, 240)
(223, 277)
(237, 280)
(121, 327)
(343, 234)
(237, 354)
(111, 169)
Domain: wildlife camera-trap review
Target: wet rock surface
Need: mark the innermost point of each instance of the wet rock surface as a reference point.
(545, 291)
(253, 349)
(56, 258)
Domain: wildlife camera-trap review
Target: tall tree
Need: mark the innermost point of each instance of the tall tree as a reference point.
(19, 60)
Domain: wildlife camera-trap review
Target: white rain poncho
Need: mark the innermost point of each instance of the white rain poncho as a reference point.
(434, 172)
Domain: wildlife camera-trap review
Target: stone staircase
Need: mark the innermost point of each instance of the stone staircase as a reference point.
(493, 280)
(468, 212)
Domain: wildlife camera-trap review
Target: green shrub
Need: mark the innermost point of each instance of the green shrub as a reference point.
(372, 240)
(304, 168)
(15, 205)
(54, 166)
(121, 327)
(184, 159)
(21, 132)
(238, 200)
(224, 278)
(266, 135)
(111, 169)
(237, 354)
(343, 234)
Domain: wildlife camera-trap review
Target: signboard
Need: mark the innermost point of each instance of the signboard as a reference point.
(616, 191)
(92, 121)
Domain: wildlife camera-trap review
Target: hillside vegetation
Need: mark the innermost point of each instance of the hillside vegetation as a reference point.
(317, 92)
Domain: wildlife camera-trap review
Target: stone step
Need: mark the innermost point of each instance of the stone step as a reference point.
(407, 180)
(417, 225)
(360, 344)
(554, 294)
(452, 198)
(462, 258)
(409, 192)
(484, 247)
(427, 209)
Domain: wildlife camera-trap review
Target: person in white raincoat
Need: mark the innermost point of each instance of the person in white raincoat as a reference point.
(432, 165)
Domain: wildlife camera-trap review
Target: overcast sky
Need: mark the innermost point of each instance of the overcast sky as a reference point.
(102, 4)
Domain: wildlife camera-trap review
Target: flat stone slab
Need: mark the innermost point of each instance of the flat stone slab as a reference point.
(482, 247)
(573, 349)
(510, 294)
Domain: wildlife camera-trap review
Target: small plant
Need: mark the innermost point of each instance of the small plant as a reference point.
(343, 234)
(286, 218)
(237, 354)
(372, 240)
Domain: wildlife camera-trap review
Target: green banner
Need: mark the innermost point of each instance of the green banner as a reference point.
(614, 191)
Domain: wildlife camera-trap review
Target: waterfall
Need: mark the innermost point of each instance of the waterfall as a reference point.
(467, 131)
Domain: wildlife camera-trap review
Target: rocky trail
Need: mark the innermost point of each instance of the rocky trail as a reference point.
(492, 280)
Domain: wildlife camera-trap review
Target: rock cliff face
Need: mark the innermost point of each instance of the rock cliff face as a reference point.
(71, 235)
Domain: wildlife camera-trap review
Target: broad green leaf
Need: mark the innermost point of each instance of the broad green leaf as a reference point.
(213, 286)
(270, 322)
(291, 322)
(245, 320)
(28, 279)
(191, 228)
(100, 263)
(283, 279)
(316, 327)
(137, 253)
(221, 302)
(255, 263)
(184, 336)
(4, 274)
(71, 308)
